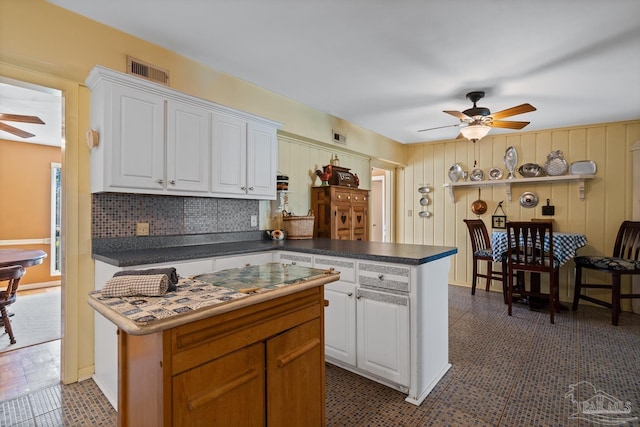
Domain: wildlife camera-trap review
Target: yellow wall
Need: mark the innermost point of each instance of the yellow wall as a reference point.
(46, 45)
(25, 181)
(608, 196)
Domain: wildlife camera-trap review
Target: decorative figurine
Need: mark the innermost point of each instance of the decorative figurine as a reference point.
(324, 174)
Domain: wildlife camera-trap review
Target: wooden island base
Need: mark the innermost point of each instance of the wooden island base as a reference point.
(258, 365)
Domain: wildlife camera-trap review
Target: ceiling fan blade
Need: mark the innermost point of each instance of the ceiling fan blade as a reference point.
(507, 124)
(513, 111)
(458, 115)
(17, 132)
(439, 127)
(21, 118)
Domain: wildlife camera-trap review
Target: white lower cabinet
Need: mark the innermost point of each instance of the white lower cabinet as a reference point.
(389, 322)
(340, 322)
(383, 335)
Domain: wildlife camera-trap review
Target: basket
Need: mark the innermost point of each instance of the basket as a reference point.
(298, 227)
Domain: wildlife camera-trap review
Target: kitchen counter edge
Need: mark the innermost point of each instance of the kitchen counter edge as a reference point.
(397, 253)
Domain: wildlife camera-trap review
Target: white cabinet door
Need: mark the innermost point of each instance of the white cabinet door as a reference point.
(383, 335)
(340, 322)
(229, 155)
(188, 147)
(262, 161)
(134, 132)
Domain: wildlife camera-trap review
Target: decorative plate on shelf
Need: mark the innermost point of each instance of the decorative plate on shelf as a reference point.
(455, 172)
(556, 164)
(531, 170)
(495, 173)
(583, 167)
(476, 175)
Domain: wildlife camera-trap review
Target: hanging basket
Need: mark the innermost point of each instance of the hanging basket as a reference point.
(298, 227)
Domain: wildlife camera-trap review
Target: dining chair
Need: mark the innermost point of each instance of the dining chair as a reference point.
(7, 297)
(625, 261)
(530, 249)
(481, 249)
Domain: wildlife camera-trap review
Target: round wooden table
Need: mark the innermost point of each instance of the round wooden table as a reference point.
(23, 257)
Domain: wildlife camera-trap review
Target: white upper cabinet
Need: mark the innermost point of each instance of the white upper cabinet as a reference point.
(188, 147)
(245, 157)
(155, 140)
(133, 121)
(229, 155)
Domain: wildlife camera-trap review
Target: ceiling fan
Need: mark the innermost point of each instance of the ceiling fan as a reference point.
(477, 121)
(21, 119)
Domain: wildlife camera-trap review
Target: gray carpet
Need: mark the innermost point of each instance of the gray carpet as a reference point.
(37, 318)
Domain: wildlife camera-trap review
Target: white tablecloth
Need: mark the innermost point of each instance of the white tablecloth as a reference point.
(565, 245)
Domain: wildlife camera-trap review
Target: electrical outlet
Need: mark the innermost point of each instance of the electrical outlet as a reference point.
(254, 220)
(142, 229)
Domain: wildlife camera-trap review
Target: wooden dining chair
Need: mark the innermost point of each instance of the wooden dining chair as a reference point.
(625, 261)
(528, 252)
(481, 250)
(7, 297)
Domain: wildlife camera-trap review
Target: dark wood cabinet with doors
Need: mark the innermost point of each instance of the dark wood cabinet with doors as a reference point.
(341, 212)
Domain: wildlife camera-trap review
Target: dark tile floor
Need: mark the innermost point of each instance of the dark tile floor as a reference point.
(507, 371)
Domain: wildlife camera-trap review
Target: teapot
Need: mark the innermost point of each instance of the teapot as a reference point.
(276, 234)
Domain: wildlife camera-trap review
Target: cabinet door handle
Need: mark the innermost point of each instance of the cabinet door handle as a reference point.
(290, 357)
(172, 182)
(381, 276)
(160, 181)
(243, 188)
(350, 294)
(236, 382)
(293, 263)
(251, 188)
(339, 196)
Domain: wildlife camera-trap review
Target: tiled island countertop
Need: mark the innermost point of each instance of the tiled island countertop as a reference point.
(208, 295)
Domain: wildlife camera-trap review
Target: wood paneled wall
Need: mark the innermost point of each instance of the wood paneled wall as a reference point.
(608, 196)
(299, 158)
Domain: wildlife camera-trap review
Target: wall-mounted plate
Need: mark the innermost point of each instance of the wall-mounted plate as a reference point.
(528, 200)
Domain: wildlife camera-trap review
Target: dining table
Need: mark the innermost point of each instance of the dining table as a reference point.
(24, 257)
(565, 246)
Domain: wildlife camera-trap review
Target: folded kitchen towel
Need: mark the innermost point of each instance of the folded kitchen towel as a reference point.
(144, 285)
(170, 272)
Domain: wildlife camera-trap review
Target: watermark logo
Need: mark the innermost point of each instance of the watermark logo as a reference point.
(598, 406)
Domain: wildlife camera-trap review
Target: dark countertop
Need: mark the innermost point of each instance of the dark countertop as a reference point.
(398, 253)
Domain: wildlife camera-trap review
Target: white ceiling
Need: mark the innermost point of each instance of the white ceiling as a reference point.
(393, 66)
(31, 100)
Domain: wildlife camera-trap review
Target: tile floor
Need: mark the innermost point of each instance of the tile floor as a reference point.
(507, 371)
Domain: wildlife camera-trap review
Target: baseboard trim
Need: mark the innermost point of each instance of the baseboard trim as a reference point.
(30, 286)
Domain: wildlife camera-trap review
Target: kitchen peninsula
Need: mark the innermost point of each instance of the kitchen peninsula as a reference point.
(387, 317)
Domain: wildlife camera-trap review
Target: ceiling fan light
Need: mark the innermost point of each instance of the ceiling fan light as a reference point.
(475, 132)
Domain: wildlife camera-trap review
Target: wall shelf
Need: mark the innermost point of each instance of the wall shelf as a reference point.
(507, 183)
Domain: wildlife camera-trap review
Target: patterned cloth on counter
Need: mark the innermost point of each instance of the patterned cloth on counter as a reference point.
(143, 285)
(171, 273)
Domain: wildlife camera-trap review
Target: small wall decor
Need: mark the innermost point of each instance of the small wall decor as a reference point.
(424, 201)
(499, 221)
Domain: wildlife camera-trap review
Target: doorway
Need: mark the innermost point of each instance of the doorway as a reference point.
(31, 151)
(380, 206)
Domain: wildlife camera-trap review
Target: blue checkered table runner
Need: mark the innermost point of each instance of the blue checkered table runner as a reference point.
(565, 245)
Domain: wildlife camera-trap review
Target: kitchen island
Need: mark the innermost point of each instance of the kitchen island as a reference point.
(387, 317)
(238, 347)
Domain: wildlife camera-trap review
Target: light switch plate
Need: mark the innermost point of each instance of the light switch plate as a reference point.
(254, 220)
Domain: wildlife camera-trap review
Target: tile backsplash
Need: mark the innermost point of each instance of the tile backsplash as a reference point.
(116, 214)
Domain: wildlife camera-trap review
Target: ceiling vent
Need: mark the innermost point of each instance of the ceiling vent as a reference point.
(147, 71)
(339, 138)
